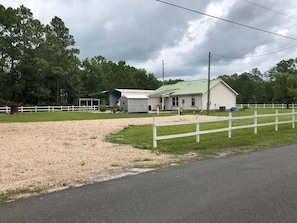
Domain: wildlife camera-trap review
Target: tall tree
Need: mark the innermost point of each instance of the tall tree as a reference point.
(62, 58)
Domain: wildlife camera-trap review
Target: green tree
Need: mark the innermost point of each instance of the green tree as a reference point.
(92, 77)
(62, 60)
(285, 87)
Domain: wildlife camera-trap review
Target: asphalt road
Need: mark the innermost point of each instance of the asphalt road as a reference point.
(259, 187)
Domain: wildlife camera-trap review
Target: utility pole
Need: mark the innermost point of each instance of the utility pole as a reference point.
(163, 73)
(208, 84)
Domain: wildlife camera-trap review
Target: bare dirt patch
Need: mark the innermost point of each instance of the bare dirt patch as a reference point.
(69, 153)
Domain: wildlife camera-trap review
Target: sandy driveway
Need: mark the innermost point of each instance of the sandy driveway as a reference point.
(69, 153)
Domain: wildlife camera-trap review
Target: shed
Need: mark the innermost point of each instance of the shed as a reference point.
(115, 95)
(134, 103)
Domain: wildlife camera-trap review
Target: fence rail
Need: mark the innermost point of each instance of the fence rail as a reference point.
(228, 128)
(49, 108)
(282, 106)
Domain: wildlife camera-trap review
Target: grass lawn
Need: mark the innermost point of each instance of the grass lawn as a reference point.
(67, 116)
(213, 145)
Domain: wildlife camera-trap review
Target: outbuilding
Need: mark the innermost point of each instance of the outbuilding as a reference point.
(134, 103)
(115, 95)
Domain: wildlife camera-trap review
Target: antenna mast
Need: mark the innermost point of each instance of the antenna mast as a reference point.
(163, 69)
(208, 84)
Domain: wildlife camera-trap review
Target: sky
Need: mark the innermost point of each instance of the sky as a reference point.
(174, 41)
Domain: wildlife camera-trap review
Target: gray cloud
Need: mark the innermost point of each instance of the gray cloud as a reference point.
(145, 32)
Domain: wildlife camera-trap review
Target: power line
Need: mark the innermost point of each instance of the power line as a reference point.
(264, 7)
(225, 20)
(260, 55)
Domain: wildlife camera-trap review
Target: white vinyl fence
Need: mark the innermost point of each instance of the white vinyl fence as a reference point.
(229, 128)
(50, 108)
(282, 106)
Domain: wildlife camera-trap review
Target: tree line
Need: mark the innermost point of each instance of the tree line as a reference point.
(39, 65)
(277, 85)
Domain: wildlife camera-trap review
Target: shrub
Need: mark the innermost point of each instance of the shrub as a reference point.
(103, 108)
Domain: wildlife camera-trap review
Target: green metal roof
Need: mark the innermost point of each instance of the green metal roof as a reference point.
(187, 88)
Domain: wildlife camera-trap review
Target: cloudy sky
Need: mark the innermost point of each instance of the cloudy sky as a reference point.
(146, 32)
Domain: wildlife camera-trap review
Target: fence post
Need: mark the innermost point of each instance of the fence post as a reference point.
(230, 125)
(197, 128)
(61, 107)
(22, 109)
(276, 120)
(154, 133)
(255, 122)
(35, 108)
(293, 117)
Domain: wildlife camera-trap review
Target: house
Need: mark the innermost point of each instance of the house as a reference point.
(193, 95)
(134, 103)
(116, 94)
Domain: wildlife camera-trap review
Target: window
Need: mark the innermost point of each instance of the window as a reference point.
(175, 101)
(193, 101)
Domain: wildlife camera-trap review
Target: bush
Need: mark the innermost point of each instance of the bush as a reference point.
(116, 108)
(103, 108)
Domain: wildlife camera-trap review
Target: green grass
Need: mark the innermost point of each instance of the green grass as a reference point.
(13, 194)
(215, 144)
(67, 116)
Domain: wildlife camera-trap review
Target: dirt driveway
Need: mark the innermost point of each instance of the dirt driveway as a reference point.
(69, 153)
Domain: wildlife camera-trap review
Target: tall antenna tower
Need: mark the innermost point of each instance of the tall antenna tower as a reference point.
(163, 71)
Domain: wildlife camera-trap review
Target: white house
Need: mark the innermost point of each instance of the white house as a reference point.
(192, 95)
(134, 103)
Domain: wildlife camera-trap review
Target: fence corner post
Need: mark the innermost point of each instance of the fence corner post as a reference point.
(154, 133)
(255, 122)
(230, 125)
(293, 117)
(197, 129)
(276, 120)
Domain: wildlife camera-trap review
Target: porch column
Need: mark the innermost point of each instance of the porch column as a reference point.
(162, 102)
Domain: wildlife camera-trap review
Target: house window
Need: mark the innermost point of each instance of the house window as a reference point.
(175, 101)
(193, 101)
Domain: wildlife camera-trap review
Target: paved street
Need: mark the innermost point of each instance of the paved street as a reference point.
(259, 187)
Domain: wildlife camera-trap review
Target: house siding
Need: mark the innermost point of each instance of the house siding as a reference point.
(221, 96)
